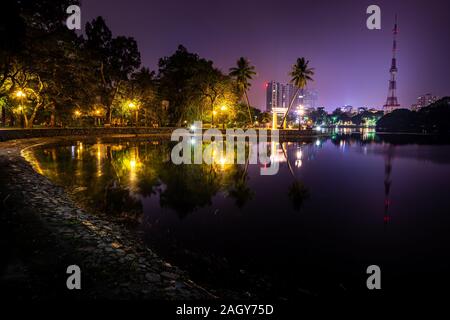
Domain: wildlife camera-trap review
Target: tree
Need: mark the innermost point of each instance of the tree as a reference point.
(143, 90)
(213, 87)
(300, 74)
(434, 118)
(30, 35)
(114, 60)
(180, 77)
(243, 73)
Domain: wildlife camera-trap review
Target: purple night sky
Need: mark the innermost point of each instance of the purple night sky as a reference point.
(351, 62)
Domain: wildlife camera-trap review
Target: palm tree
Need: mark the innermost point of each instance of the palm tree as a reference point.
(243, 73)
(300, 74)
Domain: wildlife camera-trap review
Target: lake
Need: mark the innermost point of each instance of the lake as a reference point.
(336, 206)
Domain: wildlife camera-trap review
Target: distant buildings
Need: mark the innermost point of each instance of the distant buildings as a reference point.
(279, 96)
(347, 109)
(423, 101)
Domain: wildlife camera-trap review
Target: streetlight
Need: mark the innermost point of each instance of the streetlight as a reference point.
(97, 113)
(21, 95)
(132, 106)
(223, 109)
(212, 118)
(300, 112)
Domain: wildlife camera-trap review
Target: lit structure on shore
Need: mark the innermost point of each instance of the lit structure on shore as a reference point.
(392, 101)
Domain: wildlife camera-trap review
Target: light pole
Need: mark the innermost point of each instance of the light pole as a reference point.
(301, 112)
(214, 112)
(97, 117)
(21, 95)
(223, 109)
(133, 106)
(77, 115)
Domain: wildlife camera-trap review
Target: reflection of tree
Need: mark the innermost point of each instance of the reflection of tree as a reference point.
(239, 190)
(297, 192)
(119, 200)
(113, 177)
(188, 187)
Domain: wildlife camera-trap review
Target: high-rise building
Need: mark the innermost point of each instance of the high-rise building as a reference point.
(273, 95)
(280, 95)
(310, 99)
(423, 101)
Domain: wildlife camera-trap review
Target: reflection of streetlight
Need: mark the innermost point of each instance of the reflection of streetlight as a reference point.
(77, 113)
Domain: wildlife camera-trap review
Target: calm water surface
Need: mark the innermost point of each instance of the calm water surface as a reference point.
(336, 206)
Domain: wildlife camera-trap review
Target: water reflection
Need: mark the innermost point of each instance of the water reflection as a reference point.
(331, 200)
(118, 176)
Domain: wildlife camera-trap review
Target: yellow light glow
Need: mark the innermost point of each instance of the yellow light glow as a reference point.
(131, 105)
(214, 112)
(77, 113)
(99, 153)
(223, 108)
(20, 94)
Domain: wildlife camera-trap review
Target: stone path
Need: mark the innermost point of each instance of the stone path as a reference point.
(114, 263)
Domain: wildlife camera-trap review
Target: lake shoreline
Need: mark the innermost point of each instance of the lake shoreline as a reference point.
(9, 134)
(45, 232)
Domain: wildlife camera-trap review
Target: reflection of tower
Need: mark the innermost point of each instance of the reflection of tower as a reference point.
(387, 182)
(391, 101)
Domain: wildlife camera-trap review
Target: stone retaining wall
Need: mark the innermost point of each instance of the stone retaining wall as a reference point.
(12, 134)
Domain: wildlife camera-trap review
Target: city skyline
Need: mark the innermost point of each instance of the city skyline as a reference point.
(351, 62)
